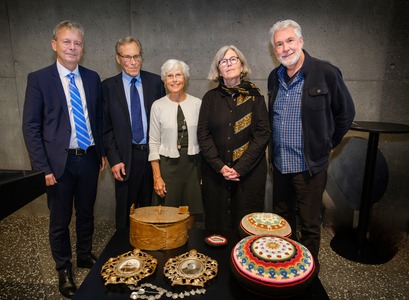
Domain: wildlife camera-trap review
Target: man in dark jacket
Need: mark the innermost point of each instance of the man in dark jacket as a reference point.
(62, 128)
(127, 153)
(310, 111)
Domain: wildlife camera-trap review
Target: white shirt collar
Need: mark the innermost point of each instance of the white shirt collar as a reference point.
(63, 71)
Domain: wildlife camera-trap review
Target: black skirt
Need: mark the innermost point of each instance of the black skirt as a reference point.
(182, 180)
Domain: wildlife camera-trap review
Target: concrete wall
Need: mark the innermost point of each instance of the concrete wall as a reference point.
(367, 40)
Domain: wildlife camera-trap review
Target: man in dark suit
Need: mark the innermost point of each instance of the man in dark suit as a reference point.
(62, 128)
(126, 131)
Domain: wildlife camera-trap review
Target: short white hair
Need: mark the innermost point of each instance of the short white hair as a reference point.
(171, 64)
(285, 24)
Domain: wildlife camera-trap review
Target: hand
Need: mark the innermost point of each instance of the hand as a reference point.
(103, 164)
(118, 171)
(230, 174)
(160, 187)
(50, 180)
(234, 176)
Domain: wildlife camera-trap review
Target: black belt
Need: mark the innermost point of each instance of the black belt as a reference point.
(143, 147)
(80, 151)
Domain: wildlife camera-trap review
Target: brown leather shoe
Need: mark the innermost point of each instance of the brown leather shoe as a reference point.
(87, 261)
(66, 284)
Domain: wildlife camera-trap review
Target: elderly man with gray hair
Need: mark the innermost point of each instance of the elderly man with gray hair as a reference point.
(310, 111)
(127, 100)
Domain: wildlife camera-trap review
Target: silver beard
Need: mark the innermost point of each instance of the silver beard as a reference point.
(292, 62)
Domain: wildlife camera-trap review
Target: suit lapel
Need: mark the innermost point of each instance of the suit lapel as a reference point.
(121, 97)
(145, 87)
(60, 90)
(148, 96)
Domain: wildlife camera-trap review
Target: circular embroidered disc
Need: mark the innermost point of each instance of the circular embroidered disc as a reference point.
(264, 223)
(272, 265)
(216, 240)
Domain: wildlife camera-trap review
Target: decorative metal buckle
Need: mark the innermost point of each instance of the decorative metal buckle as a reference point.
(80, 151)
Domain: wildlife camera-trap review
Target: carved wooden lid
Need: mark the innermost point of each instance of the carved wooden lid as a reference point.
(160, 214)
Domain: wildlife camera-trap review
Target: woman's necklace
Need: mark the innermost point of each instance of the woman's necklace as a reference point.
(179, 117)
(181, 136)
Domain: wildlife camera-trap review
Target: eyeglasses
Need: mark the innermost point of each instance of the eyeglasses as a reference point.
(128, 58)
(233, 60)
(67, 43)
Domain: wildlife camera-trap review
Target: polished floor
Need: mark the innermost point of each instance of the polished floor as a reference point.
(27, 270)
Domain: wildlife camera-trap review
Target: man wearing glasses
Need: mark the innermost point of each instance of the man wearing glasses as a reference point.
(127, 101)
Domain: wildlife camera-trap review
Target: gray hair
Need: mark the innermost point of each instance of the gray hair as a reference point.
(128, 40)
(171, 64)
(285, 24)
(74, 26)
(214, 73)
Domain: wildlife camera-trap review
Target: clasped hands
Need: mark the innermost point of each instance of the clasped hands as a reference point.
(230, 174)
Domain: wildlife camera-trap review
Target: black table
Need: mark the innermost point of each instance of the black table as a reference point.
(355, 245)
(18, 188)
(223, 286)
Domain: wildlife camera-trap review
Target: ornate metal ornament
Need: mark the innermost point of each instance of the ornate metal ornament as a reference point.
(128, 268)
(191, 268)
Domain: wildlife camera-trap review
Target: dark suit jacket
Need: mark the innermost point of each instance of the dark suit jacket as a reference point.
(46, 122)
(117, 123)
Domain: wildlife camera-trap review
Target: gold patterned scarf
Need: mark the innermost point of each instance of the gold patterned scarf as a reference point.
(244, 94)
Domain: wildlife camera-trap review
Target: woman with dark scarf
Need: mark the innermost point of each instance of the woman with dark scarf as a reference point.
(233, 132)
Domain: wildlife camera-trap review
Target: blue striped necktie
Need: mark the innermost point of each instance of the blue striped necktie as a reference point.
(136, 114)
(83, 138)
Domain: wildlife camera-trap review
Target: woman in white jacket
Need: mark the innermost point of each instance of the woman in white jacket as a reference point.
(173, 146)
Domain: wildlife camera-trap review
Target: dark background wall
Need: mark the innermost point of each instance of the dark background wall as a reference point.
(367, 40)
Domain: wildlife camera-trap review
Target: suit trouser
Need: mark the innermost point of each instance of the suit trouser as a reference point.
(78, 186)
(301, 194)
(137, 189)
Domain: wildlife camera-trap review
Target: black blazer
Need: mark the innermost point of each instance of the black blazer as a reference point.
(117, 124)
(46, 122)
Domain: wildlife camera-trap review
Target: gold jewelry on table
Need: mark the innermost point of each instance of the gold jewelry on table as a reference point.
(191, 268)
(128, 268)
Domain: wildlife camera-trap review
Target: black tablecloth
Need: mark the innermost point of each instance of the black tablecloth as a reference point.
(223, 286)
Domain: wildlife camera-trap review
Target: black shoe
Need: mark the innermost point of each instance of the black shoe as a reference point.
(86, 261)
(66, 284)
